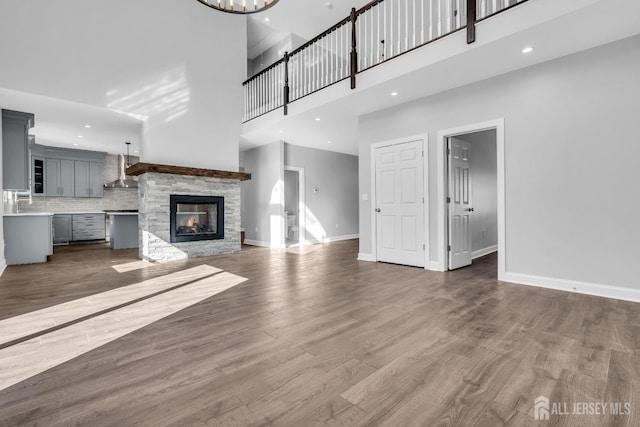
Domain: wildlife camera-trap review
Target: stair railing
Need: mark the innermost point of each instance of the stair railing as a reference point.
(378, 32)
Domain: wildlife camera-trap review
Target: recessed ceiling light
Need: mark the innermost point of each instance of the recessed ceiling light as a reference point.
(136, 151)
(87, 126)
(80, 136)
(75, 145)
(394, 93)
(317, 119)
(266, 19)
(328, 142)
(527, 49)
(280, 131)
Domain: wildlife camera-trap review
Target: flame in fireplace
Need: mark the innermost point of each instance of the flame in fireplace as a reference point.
(191, 222)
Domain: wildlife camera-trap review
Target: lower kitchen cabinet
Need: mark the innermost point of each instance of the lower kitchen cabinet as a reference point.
(88, 227)
(78, 227)
(27, 238)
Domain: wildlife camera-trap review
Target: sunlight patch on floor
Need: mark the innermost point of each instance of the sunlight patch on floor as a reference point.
(132, 266)
(29, 358)
(31, 323)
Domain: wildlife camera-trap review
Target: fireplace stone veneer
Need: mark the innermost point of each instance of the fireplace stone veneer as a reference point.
(154, 234)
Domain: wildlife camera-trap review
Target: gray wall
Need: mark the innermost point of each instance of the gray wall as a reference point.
(333, 210)
(263, 207)
(484, 189)
(571, 136)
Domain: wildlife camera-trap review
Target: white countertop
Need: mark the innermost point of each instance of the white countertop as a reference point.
(121, 213)
(29, 214)
(80, 213)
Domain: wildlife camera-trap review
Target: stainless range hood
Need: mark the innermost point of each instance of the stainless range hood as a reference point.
(123, 180)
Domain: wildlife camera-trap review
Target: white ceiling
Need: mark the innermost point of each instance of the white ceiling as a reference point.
(59, 123)
(339, 108)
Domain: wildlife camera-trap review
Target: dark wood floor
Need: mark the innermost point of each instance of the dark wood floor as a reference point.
(318, 338)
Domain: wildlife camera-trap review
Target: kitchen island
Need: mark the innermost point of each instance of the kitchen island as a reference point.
(28, 237)
(123, 229)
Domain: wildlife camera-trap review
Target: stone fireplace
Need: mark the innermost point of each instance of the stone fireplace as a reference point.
(187, 212)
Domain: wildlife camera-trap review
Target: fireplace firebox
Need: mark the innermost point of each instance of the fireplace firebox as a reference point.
(195, 218)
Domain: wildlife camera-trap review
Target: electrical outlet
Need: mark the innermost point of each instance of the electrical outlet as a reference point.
(256, 229)
(337, 226)
(484, 233)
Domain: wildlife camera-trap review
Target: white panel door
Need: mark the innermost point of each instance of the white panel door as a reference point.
(460, 207)
(400, 204)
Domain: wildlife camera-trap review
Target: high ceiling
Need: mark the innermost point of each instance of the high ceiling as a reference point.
(418, 74)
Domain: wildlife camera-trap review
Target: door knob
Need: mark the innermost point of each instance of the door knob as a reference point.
(377, 209)
(470, 210)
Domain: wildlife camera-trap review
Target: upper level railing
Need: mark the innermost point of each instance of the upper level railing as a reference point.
(378, 32)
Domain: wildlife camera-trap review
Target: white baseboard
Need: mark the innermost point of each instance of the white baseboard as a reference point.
(366, 257)
(435, 266)
(482, 252)
(3, 266)
(595, 289)
(334, 239)
(257, 243)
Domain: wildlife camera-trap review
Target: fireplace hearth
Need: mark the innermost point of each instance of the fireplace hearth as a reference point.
(194, 218)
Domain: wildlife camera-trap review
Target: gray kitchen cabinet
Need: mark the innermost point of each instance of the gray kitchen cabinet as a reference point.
(62, 229)
(27, 238)
(88, 179)
(15, 149)
(88, 227)
(59, 178)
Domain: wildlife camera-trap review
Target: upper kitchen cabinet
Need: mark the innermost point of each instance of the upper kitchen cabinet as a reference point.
(15, 149)
(59, 178)
(88, 179)
(68, 172)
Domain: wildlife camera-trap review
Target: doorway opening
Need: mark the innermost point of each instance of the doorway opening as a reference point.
(294, 206)
(471, 214)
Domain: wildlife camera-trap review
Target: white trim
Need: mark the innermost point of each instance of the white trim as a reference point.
(425, 173)
(595, 289)
(3, 266)
(441, 160)
(302, 206)
(485, 251)
(257, 243)
(333, 239)
(366, 257)
(434, 266)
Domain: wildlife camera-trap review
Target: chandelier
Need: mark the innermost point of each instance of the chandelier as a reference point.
(239, 6)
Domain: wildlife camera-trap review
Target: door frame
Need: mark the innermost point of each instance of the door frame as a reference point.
(442, 185)
(424, 137)
(302, 207)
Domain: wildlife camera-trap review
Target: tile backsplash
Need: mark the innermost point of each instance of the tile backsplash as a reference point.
(113, 198)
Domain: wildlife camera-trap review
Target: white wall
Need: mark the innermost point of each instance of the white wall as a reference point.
(484, 189)
(263, 195)
(178, 63)
(571, 141)
(332, 212)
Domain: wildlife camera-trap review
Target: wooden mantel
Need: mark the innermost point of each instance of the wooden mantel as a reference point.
(141, 168)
